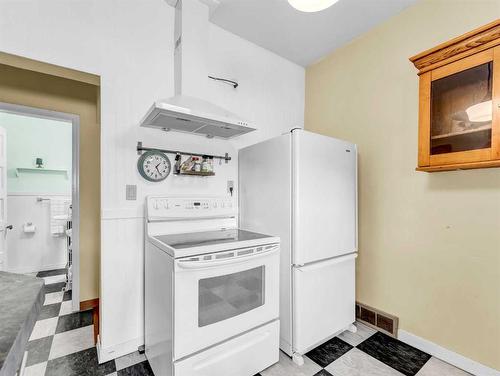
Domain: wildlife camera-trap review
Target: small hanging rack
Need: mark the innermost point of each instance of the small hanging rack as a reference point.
(141, 149)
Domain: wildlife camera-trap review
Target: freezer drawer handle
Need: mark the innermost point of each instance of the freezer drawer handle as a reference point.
(326, 263)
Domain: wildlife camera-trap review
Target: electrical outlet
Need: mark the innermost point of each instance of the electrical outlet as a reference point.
(130, 192)
(230, 187)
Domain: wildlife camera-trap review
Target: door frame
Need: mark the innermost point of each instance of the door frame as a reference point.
(75, 182)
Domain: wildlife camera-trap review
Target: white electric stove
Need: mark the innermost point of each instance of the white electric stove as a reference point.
(212, 290)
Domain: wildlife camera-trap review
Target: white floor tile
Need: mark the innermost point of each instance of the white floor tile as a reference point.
(44, 328)
(53, 298)
(436, 367)
(355, 339)
(66, 308)
(55, 279)
(35, 370)
(356, 363)
(286, 367)
(72, 341)
(129, 360)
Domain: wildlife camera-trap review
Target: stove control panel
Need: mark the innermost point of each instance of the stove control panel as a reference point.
(180, 207)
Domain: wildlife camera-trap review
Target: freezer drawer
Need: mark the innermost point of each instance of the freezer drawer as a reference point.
(323, 300)
(245, 355)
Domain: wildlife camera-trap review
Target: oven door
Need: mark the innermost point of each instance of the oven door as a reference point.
(221, 295)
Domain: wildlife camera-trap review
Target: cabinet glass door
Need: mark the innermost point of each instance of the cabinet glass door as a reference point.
(461, 111)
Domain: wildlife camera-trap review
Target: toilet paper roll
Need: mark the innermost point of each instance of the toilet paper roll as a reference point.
(29, 228)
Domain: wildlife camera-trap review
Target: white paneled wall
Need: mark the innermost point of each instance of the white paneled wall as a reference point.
(129, 43)
(32, 252)
(123, 307)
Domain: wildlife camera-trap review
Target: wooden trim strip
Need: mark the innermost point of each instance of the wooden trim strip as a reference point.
(89, 304)
(462, 65)
(424, 119)
(92, 304)
(460, 166)
(495, 125)
(467, 43)
(50, 69)
(468, 156)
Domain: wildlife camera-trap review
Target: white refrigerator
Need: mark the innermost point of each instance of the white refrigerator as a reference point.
(302, 187)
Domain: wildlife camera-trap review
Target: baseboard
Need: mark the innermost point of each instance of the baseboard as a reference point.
(89, 304)
(446, 355)
(42, 269)
(116, 351)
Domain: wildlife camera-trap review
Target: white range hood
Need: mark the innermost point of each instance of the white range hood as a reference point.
(186, 111)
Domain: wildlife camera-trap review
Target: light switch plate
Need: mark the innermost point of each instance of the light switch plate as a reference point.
(130, 192)
(230, 187)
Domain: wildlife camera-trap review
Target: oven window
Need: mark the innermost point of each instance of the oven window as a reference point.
(230, 295)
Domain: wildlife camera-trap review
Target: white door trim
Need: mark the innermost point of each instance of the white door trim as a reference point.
(75, 180)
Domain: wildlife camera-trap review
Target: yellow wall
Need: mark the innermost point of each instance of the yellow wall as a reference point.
(34, 89)
(429, 243)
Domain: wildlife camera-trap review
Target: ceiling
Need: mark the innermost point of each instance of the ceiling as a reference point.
(303, 38)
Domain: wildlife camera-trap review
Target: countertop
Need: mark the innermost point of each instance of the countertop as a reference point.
(21, 298)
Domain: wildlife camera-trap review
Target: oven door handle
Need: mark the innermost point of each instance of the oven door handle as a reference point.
(184, 264)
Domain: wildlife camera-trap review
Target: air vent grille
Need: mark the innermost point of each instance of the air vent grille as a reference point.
(377, 319)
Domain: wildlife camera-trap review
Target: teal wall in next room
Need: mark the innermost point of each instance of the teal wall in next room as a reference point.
(29, 138)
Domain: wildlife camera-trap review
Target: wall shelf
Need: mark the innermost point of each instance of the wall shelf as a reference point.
(461, 133)
(141, 149)
(35, 170)
(194, 173)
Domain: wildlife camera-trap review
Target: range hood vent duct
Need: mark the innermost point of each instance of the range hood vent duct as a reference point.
(186, 112)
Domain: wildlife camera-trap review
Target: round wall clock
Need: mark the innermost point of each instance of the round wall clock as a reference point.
(154, 166)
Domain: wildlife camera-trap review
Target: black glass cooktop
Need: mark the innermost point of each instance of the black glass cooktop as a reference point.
(199, 239)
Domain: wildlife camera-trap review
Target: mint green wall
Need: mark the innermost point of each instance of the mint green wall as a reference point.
(29, 138)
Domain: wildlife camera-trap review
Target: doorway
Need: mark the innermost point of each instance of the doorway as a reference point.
(39, 199)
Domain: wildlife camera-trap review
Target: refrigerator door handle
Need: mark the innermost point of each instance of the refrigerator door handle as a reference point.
(326, 263)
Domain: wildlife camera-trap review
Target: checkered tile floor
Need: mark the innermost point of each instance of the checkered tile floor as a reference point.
(62, 344)
(365, 353)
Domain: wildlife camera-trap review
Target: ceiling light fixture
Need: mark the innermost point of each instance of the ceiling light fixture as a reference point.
(311, 5)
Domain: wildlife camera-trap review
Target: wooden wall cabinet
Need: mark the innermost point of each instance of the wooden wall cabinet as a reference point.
(459, 102)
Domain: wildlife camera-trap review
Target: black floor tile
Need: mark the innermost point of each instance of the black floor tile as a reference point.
(74, 321)
(51, 273)
(54, 287)
(329, 351)
(83, 363)
(67, 295)
(139, 369)
(49, 311)
(38, 350)
(323, 372)
(396, 354)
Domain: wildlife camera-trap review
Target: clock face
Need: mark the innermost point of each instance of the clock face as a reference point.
(154, 166)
